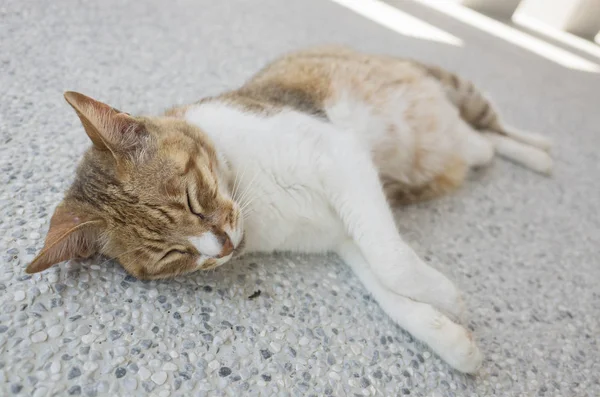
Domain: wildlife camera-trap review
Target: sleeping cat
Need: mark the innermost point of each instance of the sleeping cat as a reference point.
(303, 157)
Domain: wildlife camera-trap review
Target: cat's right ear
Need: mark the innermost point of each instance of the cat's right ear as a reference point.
(70, 236)
(109, 129)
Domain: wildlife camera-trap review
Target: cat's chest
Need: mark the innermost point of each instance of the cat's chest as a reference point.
(278, 187)
(286, 213)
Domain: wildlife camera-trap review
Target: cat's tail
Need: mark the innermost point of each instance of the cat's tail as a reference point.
(526, 148)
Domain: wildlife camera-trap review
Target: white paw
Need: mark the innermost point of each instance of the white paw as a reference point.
(466, 356)
(457, 346)
(536, 159)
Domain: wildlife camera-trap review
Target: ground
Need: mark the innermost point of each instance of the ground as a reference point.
(522, 247)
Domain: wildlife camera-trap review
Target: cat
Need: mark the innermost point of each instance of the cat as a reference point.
(303, 157)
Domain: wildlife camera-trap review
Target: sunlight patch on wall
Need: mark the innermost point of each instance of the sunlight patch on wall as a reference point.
(512, 35)
(398, 21)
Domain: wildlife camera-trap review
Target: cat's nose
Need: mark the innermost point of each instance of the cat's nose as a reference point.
(227, 247)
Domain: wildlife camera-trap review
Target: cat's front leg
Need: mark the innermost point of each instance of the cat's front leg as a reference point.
(452, 342)
(352, 185)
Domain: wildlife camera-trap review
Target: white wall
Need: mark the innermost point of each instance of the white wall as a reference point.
(581, 17)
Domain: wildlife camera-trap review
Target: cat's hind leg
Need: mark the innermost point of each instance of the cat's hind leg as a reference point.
(530, 156)
(474, 148)
(478, 146)
(446, 181)
(447, 170)
(452, 342)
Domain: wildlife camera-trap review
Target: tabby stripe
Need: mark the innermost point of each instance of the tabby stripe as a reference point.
(169, 217)
(189, 165)
(156, 240)
(454, 80)
(483, 115)
(156, 250)
(470, 88)
(149, 227)
(166, 215)
(173, 254)
(177, 206)
(129, 198)
(118, 216)
(142, 236)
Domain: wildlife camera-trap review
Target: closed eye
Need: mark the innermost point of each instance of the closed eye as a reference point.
(173, 253)
(191, 208)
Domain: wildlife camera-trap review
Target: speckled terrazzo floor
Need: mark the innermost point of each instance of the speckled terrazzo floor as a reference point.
(522, 247)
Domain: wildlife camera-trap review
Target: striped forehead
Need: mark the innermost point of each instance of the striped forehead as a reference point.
(187, 155)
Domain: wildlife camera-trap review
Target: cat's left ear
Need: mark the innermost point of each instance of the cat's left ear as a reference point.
(71, 236)
(108, 128)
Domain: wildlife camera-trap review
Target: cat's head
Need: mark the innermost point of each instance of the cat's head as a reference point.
(150, 192)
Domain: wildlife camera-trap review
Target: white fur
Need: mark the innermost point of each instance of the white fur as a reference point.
(530, 156)
(312, 185)
(529, 138)
(207, 244)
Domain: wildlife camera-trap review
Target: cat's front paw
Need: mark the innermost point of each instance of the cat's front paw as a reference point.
(470, 359)
(458, 347)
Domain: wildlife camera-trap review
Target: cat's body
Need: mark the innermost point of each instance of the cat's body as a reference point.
(309, 107)
(300, 158)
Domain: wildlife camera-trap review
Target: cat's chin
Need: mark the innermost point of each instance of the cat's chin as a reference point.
(212, 263)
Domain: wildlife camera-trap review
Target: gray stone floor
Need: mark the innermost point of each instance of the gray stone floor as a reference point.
(522, 247)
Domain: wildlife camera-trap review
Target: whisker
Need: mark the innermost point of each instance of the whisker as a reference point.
(237, 189)
(250, 199)
(247, 190)
(247, 203)
(247, 196)
(235, 184)
(243, 203)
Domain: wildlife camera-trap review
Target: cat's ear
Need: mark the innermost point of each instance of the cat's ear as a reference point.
(108, 128)
(71, 236)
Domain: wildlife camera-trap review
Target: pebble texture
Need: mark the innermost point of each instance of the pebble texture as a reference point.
(522, 247)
